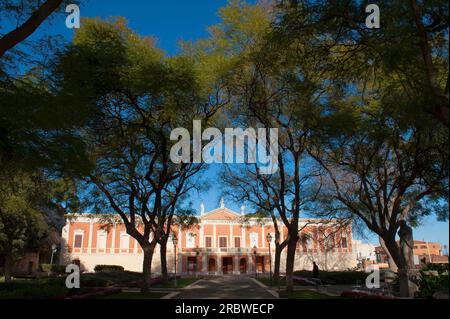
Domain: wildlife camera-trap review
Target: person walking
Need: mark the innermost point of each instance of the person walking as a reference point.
(315, 270)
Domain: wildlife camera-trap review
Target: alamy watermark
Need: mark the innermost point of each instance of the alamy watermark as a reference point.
(253, 146)
(73, 18)
(73, 277)
(373, 279)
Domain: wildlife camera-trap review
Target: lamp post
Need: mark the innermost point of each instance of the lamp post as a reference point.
(269, 240)
(54, 248)
(256, 266)
(175, 241)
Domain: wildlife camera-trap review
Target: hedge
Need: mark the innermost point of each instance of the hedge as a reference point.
(336, 277)
(108, 268)
(55, 269)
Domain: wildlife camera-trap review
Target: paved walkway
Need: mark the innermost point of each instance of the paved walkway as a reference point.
(224, 287)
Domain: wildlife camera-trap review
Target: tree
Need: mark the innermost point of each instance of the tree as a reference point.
(38, 12)
(139, 97)
(411, 47)
(386, 174)
(386, 158)
(22, 219)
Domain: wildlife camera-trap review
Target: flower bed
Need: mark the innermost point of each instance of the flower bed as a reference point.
(362, 294)
(303, 281)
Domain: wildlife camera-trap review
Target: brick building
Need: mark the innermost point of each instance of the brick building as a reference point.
(223, 242)
(424, 252)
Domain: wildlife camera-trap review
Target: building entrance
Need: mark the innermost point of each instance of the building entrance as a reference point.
(227, 265)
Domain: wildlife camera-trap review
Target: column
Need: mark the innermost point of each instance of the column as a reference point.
(201, 243)
(65, 240)
(249, 263)
(91, 226)
(214, 236)
(219, 264)
(243, 240)
(113, 240)
(263, 237)
(236, 265)
(231, 245)
(135, 249)
(205, 263)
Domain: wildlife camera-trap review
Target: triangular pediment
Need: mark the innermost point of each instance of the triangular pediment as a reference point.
(221, 214)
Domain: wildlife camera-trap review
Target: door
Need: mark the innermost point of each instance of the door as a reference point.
(227, 265)
(212, 265)
(243, 266)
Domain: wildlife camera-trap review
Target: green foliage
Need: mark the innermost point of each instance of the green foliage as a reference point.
(336, 277)
(433, 278)
(37, 289)
(54, 269)
(22, 222)
(108, 268)
(120, 279)
(93, 281)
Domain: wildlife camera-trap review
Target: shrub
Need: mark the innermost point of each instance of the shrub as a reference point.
(90, 280)
(336, 277)
(54, 269)
(432, 279)
(108, 268)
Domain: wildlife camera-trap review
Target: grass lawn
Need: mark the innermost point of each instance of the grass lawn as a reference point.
(136, 295)
(43, 288)
(119, 279)
(115, 278)
(307, 294)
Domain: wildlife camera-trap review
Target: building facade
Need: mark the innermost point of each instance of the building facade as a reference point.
(424, 252)
(222, 242)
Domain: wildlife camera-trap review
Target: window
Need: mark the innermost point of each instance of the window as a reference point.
(237, 242)
(309, 242)
(329, 241)
(124, 241)
(190, 240)
(208, 242)
(101, 239)
(78, 240)
(344, 240)
(254, 240)
(223, 242)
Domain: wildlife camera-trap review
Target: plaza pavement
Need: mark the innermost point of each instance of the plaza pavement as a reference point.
(225, 287)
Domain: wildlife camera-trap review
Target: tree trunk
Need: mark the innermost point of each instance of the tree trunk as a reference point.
(8, 268)
(290, 259)
(392, 265)
(404, 271)
(147, 267)
(276, 266)
(163, 257)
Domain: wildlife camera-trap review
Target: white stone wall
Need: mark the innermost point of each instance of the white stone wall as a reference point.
(130, 261)
(333, 261)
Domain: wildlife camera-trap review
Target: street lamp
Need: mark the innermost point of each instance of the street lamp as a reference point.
(54, 249)
(269, 240)
(256, 266)
(175, 241)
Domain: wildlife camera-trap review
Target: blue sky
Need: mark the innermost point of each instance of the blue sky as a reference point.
(172, 20)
